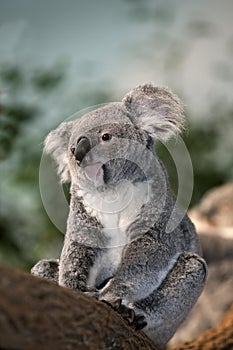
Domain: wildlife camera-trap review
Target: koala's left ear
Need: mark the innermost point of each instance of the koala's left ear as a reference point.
(56, 144)
(156, 110)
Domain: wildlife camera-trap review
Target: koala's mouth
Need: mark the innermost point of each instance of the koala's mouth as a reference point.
(94, 172)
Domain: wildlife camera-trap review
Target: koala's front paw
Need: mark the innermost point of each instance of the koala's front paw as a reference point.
(128, 314)
(46, 269)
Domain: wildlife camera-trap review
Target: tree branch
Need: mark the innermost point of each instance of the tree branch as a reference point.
(36, 314)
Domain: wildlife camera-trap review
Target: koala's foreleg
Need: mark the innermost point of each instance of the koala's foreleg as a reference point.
(47, 269)
(75, 263)
(144, 265)
(167, 307)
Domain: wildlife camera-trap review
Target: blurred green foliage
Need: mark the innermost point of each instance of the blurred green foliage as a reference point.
(47, 80)
(26, 233)
(11, 75)
(10, 121)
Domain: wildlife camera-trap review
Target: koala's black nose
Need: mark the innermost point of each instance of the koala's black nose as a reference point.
(82, 148)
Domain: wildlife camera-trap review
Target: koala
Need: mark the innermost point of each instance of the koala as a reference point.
(117, 247)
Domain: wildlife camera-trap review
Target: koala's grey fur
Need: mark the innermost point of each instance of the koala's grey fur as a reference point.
(116, 244)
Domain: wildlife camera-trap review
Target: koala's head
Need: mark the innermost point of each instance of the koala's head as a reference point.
(115, 142)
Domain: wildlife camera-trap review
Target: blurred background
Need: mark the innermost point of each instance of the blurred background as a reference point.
(58, 57)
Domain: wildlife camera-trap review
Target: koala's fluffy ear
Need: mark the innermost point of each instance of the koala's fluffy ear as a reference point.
(56, 144)
(156, 110)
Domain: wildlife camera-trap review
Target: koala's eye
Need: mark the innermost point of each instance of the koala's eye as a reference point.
(72, 149)
(106, 136)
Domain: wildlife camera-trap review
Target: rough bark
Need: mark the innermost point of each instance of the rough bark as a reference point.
(36, 314)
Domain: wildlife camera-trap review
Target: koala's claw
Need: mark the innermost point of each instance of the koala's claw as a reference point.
(139, 322)
(128, 314)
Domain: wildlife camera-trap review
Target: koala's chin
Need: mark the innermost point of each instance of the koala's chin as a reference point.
(117, 170)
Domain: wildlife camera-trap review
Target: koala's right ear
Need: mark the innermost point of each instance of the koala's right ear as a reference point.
(56, 144)
(156, 110)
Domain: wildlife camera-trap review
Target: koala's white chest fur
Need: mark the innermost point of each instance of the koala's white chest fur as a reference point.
(116, 208)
